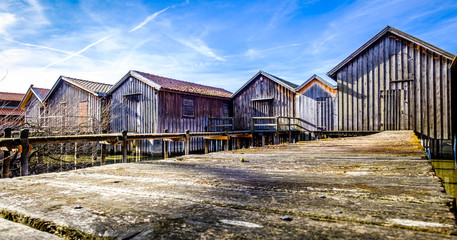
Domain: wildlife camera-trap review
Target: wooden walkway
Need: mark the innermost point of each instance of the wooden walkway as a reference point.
(371, 187)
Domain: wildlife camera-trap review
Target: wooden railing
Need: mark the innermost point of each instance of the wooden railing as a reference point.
(24, 142)
(273, 124)
(220, 124)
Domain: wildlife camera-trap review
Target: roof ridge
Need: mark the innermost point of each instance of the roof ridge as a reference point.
(140, 72)
(78, 79)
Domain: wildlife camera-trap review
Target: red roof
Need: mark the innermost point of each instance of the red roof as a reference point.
(11, 96)
(183, 86)
(11, 111)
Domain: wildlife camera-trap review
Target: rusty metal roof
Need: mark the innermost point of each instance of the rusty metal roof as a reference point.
(183, 86)
(11, 112)
(11, 96)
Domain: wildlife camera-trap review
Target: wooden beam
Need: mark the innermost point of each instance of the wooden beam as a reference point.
(24, 135)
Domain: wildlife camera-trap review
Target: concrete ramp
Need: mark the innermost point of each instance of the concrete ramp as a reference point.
(378, 186)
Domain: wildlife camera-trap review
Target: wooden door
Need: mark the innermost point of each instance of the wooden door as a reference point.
(395, 108)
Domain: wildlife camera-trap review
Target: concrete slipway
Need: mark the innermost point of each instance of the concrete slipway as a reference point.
(372, 187)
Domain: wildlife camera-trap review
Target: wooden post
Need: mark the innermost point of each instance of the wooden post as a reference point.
(165, 146)
(124, 146)
(24, 136)
(104, 151)
(252, 126)
(290, 133)
(276, 140)
(263, 140)
(6, 156)
(227, 143)
(187, 150)
(206, 145)
(76, 153)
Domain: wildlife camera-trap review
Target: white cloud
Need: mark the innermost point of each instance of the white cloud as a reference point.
(6, 20)
(79, 52)
(201, 47)
(148, 19)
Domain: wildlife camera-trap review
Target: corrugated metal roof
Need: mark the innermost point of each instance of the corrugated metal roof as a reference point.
(90, 85)
(396, 32)
(292, 85)
(183, 86)
(11, 96)
(11, 111)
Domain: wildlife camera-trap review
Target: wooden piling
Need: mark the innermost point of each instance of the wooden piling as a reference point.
(206, 145)
(187, 150)
(6, 156)
(103, 160)
(124, 146)
(24, 138)
(165, 146)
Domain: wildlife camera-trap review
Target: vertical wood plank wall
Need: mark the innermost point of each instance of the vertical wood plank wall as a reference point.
(32, 111)
(283, 101)
(317, 105)
(134, 108)
(396, 85)
(71, 97)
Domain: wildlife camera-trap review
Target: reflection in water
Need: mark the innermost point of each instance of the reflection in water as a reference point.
(447, 171)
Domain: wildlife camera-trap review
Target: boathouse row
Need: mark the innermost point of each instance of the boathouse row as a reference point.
(397, 82)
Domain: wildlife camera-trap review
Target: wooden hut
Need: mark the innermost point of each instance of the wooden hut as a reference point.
(264, 95)
(75, 106)
(10, 115)
(147, 103)
(33, 105)
(316, 105)
(396, 82)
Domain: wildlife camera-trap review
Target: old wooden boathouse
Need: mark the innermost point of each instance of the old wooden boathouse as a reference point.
(75, 106)
(33, 105)
(269, 105)
(147, 103)
(397, 82)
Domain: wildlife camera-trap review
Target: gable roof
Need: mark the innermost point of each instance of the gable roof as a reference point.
(8, 96)
(381, 34)
(316, 78)
(280, 81)
(95, 88)
(39, 93)
(164, 83)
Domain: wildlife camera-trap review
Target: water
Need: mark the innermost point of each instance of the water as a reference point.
(447, 171)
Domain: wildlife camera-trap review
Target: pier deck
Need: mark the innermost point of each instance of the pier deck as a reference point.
(377, 186)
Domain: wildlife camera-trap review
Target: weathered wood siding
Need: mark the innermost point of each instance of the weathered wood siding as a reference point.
(316, 107)
(282, 103)
(171, 116)
(62, 110)
(134, 108)
(396, 85)
(32, 112)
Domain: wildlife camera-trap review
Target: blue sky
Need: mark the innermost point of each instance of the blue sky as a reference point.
(217, 43)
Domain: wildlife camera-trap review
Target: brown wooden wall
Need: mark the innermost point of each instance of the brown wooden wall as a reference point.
(63, 109)
(396, 85)
(244, 108)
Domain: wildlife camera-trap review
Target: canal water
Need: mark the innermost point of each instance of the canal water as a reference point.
(447, 171)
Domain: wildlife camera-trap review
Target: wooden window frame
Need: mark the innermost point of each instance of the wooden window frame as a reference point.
(187, 104)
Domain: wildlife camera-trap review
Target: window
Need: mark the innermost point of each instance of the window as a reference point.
(187, 107)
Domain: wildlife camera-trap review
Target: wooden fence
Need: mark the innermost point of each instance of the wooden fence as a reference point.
(23, 143)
